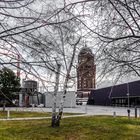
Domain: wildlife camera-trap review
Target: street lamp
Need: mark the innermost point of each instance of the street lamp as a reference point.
(128, 97)
(128, 94)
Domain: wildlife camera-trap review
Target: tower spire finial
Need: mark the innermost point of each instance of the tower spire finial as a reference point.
(85, 44)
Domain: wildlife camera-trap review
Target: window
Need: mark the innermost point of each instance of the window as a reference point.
(88, 66)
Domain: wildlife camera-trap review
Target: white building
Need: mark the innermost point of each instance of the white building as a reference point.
(70, 99)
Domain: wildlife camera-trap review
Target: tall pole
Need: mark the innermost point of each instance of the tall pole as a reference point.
(128, 94)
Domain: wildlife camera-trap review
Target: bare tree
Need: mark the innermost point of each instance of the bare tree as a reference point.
(54, 35)
(56, 43)
(21, 30)
(115, 26)
(119, 29)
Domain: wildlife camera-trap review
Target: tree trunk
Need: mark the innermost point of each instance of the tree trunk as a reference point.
(59, 116)
(54, 118)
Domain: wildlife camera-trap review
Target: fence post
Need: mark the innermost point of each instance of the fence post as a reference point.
(128, 111)
(135, 111)
(8, 114)
(114, 114)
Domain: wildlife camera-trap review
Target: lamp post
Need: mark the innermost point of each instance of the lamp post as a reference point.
(128, 97)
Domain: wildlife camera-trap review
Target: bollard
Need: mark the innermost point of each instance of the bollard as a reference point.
(86, 108)
(139, 112)
(135, 112)
(128, 111)
(114, 114)
(8, 114)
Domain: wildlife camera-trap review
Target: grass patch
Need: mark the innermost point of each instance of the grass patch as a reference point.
(78, 128)
(26, 114)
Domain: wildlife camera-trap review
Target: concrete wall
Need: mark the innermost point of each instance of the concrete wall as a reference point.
(70, 100)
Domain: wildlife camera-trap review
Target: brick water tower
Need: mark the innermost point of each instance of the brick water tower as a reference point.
(86, 71)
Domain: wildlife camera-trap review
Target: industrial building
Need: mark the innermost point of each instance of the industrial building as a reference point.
(127, 94)
(30, 96)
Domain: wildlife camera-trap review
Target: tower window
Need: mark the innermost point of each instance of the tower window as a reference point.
(88, 66)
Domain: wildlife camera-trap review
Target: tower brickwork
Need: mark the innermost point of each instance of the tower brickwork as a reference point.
(86, 71)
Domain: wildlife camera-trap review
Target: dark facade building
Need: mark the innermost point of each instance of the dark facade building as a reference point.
(127, 94)
(85, 72)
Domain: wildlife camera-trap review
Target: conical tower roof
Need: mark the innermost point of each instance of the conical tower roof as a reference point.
(85, 50)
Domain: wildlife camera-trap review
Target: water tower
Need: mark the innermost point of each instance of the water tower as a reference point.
(86, 72)
(30, 89)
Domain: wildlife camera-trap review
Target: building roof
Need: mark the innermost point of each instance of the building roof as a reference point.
(132, 88)
(85, 50)
(104, 95)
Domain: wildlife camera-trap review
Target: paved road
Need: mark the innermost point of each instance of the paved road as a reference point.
(88, 110)
(103, 110)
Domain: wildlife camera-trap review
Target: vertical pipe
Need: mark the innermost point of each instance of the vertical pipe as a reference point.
(128, 101)
(128, 95)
